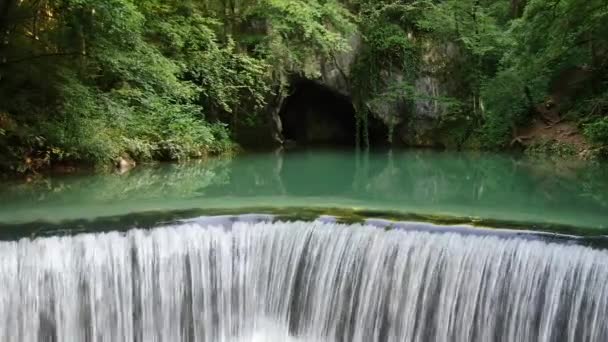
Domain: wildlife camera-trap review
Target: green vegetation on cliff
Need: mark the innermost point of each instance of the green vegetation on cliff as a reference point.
(502, 64)
(93, 80)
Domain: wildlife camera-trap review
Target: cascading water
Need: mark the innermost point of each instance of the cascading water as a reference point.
(312, 282)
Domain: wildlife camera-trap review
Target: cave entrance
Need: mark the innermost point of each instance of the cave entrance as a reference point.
(316, 115)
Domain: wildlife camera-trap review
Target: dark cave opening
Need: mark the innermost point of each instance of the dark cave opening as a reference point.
(314, 114)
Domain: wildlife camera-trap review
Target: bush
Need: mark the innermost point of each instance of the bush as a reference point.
(551, 148)
(597, 131)
(508, 98)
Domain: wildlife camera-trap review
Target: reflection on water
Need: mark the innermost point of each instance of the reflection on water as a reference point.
(460, 184)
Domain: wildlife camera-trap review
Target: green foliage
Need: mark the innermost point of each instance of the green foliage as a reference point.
(549, 43)
(551, 148)
(507, 105)
(505, 61)
(596, 119)
(300, 31)
(107, 86)
(92, 80)
(388, 50)
(457, 42)
(597, 131)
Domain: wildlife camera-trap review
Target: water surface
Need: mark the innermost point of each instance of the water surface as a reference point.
(475, 186)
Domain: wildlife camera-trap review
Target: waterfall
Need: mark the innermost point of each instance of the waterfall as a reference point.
(300, 282)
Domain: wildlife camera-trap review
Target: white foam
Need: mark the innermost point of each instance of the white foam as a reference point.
(299, 282)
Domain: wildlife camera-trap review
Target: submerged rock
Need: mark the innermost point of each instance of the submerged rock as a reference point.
(124, 164)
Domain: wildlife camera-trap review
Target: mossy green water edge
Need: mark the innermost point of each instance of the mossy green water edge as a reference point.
(382, 219)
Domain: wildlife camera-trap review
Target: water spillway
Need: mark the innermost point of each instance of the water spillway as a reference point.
(300, 282)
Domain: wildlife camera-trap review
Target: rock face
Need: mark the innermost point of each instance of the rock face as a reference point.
(411, 110)
(124, 164)
(336, 72)
(326, 116)
(427, 112)
(390, 110)
(409, 116)
(417, 121)
(316, 110)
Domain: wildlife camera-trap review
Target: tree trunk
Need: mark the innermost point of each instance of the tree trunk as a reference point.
(5, 9)
(517, 8)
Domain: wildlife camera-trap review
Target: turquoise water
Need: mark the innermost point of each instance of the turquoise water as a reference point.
(464, 185)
